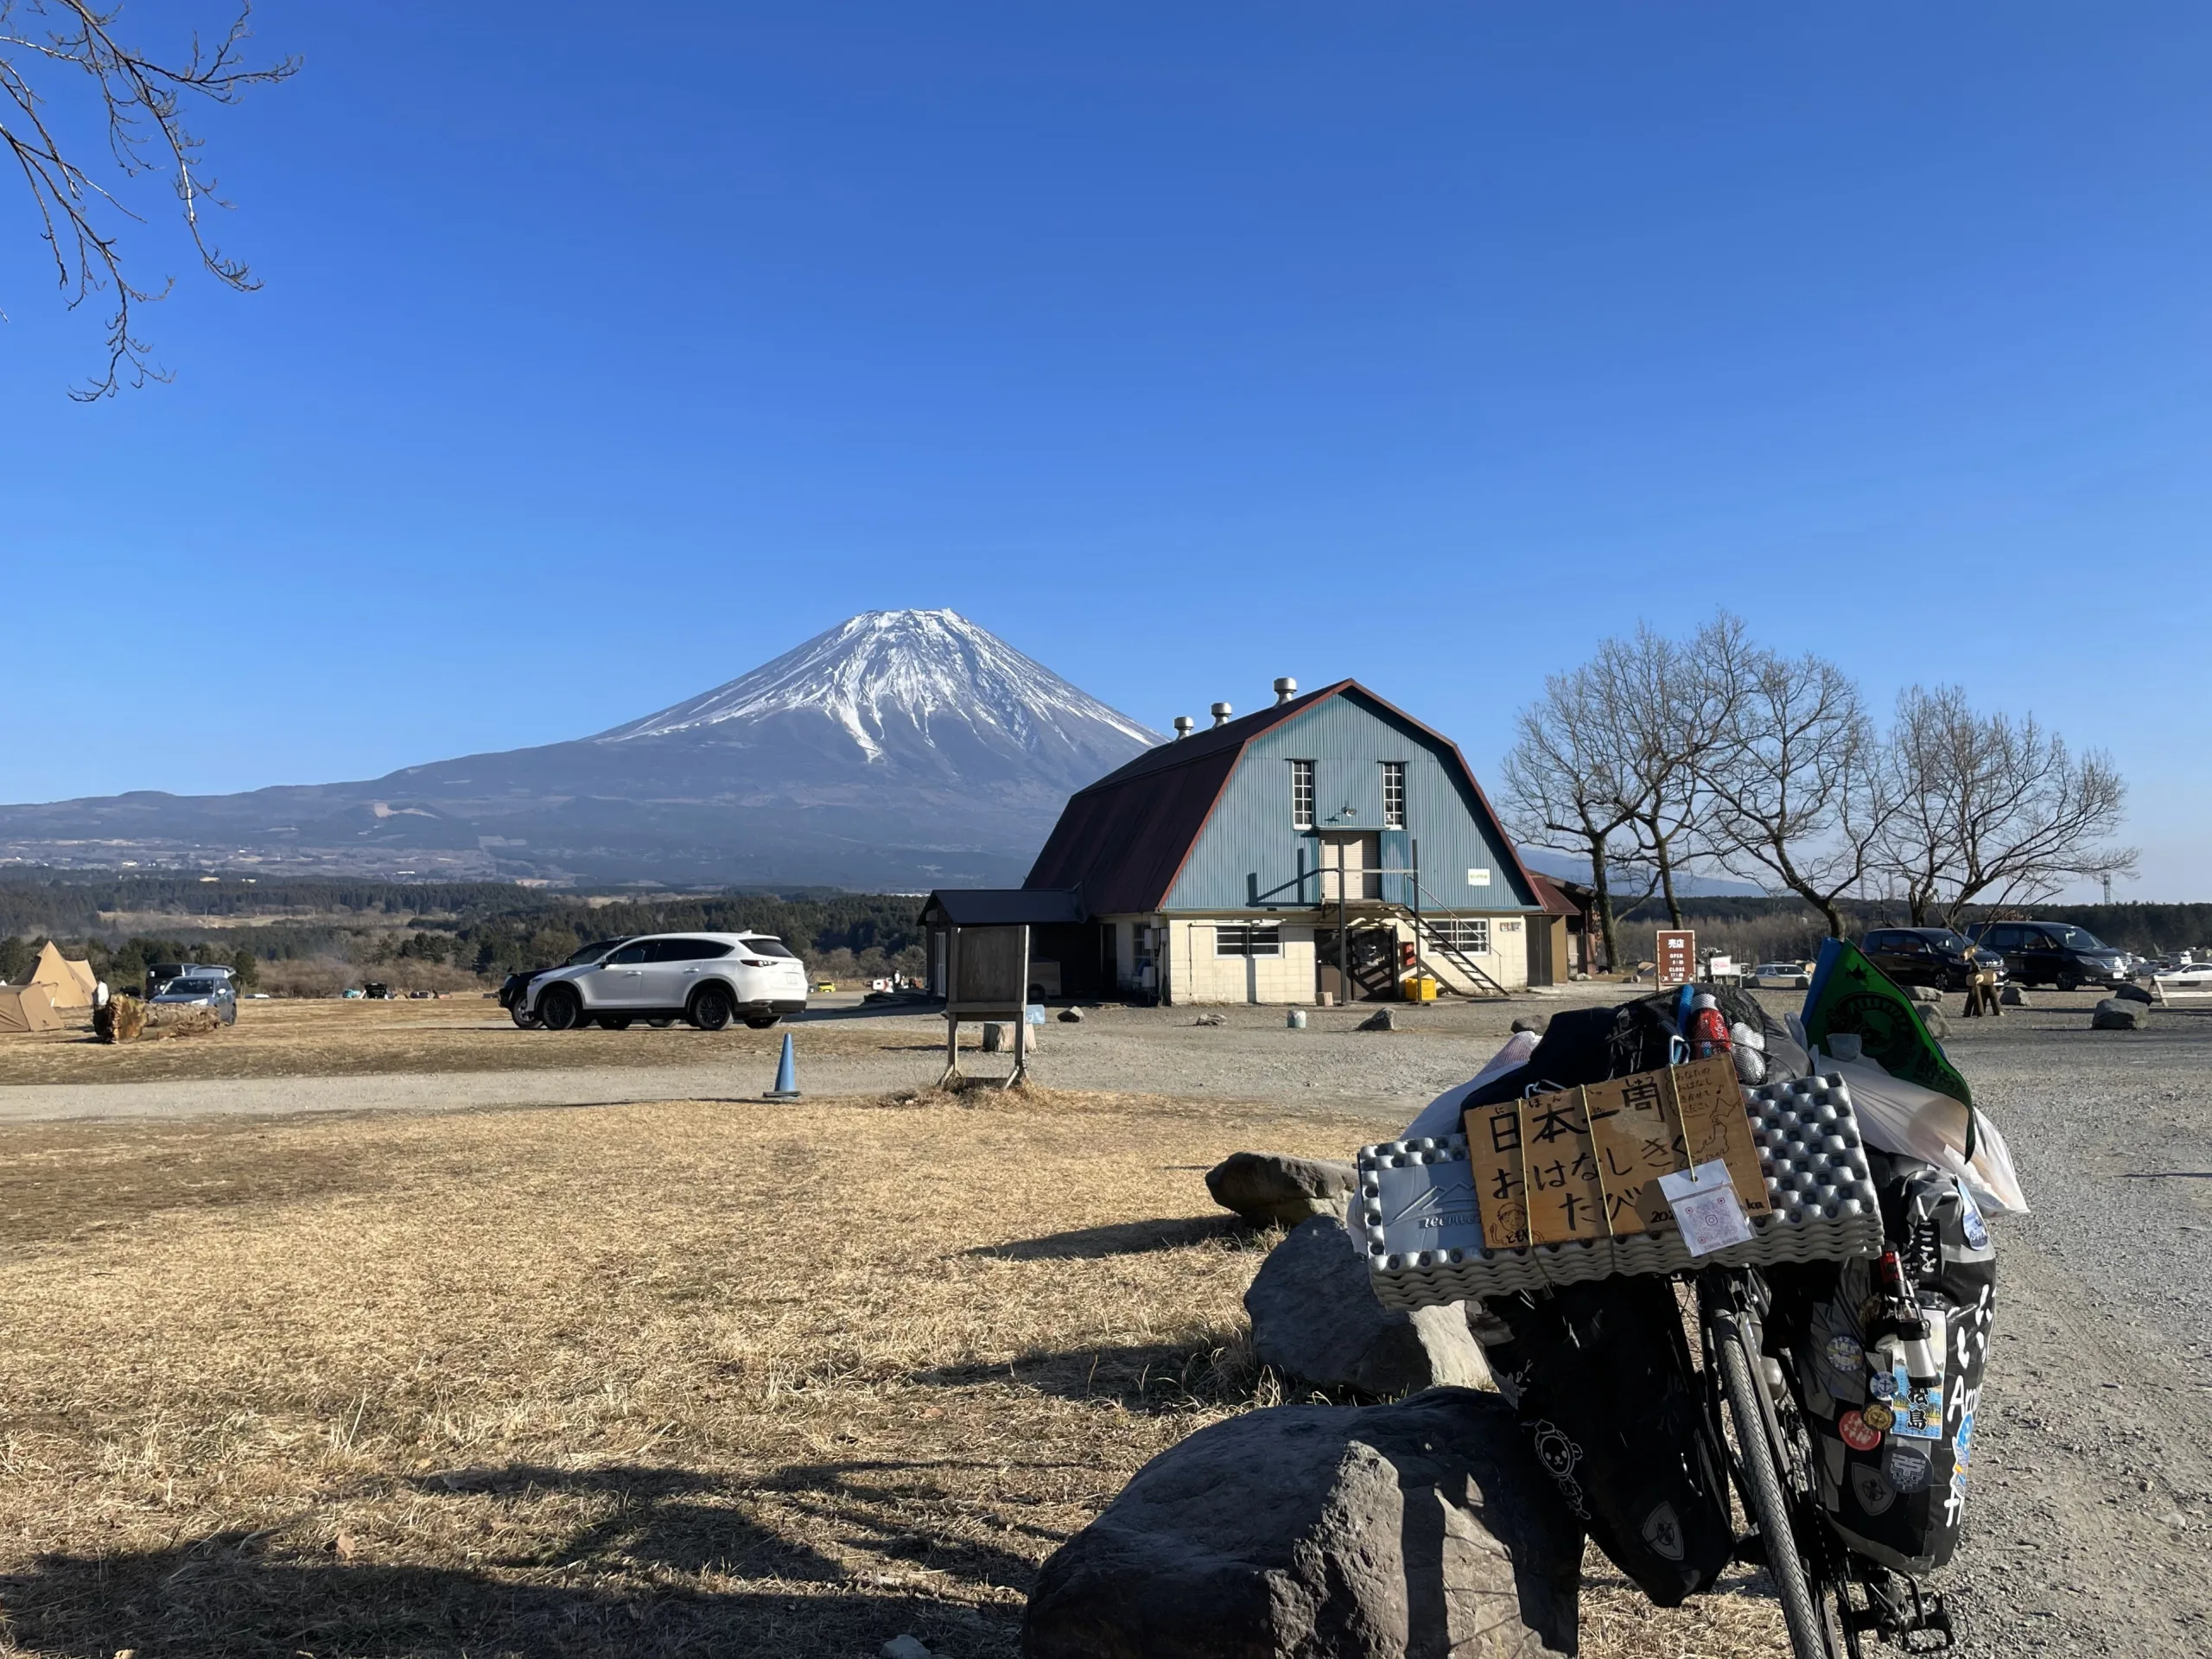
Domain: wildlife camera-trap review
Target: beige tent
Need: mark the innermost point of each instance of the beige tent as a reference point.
(67, 984)
(25, 1008)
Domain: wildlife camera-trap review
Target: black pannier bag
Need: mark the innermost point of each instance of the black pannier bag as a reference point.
(1599, 1374)
(1892, 1464)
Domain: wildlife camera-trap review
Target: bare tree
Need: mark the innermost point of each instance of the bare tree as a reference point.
(1564, 781)
(1800, 796)
(1993, 809)
(1674, 704)
(142, 103)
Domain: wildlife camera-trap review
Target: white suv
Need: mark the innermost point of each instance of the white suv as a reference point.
(708, 979)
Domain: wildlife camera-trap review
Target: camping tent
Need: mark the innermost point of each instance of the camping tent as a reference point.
(25, 1008)
(67, 984)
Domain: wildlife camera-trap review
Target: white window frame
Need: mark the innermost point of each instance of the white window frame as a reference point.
(1394, 785)
(1248, 940)
(1469, 935)
(1301, 794)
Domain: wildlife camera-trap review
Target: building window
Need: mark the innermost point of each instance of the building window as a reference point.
(1301, 794)
(1394, 794)
(1248, 940)
(1469, 935)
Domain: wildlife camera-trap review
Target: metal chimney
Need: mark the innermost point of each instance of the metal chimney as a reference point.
(1286, 688)
(1183, 724)
(1221, 713)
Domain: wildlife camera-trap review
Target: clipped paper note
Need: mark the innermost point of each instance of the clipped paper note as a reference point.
(1706, 1208)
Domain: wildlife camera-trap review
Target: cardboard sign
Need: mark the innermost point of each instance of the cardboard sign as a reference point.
(1638, 1138)
(1566, 1200)
(1710, 1104)
(1494, 1156)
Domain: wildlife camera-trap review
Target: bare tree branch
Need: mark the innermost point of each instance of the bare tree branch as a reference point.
(1991, 805)
(142, 103)
(1798, 790)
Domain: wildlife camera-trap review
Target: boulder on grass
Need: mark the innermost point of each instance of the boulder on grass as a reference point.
(1267, 1189)
(1927, 996)
(1938, 1023)
(2113, 1015)
(1380, 1020)
(2133, 994)
(1324, 1532)
(2013, 995)
(1315, 1318)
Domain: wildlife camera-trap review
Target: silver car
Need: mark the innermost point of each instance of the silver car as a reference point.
(201, 988)
(705, 979)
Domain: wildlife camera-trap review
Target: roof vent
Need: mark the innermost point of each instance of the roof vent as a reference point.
(1286, 688)
(1183, 725)
(1221, 713)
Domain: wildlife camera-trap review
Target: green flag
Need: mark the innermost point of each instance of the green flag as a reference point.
(1849, 994)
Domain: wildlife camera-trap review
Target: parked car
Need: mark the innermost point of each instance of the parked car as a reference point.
(1783, 977)
(160, 975)
(1928, 955)
(201, 989)
(514, 990)
(2054, 953)
(705, 979)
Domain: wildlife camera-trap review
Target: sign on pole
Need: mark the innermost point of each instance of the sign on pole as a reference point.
(1677, 955)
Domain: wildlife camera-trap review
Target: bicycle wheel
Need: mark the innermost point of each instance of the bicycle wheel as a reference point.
(1755, 1438)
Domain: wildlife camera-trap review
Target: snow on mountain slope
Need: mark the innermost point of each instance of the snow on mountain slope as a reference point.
(882, 670)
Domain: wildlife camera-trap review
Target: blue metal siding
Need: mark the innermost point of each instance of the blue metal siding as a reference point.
(1249, 846)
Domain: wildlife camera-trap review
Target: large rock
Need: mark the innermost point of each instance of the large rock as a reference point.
(1314, 1318)
(2014, 994)
(2114, 1015)
(1267, 1188)
(1938, 1023)
(1324, 1532)
(2133, 994)
(1926, 995)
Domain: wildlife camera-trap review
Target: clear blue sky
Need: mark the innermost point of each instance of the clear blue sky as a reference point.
(1182, 345)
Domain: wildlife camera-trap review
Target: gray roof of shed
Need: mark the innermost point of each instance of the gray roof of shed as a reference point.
(1003, 907)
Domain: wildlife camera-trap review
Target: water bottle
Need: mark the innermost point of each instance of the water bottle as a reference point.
(1708, 1032)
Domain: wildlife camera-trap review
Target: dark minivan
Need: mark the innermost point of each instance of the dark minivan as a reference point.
(2053, 953)
(1927, 956)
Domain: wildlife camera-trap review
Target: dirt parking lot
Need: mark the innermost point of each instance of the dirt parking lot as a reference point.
(687, 1372)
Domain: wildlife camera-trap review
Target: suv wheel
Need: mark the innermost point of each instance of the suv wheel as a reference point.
(559, 1008)
(524, 1018)
(712, 1007)
(2068, 983)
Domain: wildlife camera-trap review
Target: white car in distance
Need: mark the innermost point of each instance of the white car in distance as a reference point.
(705, 979)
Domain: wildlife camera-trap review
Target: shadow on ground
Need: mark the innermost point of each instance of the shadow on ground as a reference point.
(660, 1574)
(1123, 1238)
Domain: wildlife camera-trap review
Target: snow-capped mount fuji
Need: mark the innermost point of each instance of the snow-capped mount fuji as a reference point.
(902, 682)
(899, 749)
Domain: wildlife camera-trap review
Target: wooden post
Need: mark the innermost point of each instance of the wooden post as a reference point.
(1021, 1020)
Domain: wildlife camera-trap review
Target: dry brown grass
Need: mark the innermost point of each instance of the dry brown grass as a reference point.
(327, 1038)
(683, 1377)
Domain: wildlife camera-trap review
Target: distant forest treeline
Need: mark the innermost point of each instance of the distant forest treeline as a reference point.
(318, 935)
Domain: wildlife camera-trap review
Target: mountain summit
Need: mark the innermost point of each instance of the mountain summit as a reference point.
(899, 749)
(896, 683)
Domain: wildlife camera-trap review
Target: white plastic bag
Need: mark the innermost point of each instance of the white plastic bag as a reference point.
(1441, 1116)
(1913, 1121)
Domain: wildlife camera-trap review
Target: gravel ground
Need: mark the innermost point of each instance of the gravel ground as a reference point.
(2092, 1509)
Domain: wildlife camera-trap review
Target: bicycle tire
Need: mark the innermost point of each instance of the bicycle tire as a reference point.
(1801, 1611)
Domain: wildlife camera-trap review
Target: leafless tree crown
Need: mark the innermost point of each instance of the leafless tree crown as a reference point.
(55, 53)
(1659, 754)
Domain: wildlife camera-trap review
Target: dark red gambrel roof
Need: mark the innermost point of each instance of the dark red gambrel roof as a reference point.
(1123, 841)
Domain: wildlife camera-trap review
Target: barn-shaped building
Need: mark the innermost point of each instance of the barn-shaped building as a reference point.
(1324, 849)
